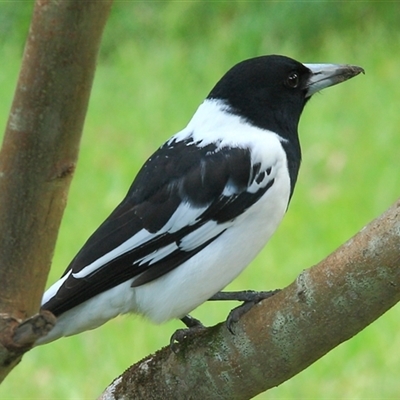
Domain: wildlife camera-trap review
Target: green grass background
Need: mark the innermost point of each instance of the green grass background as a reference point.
(157, 63)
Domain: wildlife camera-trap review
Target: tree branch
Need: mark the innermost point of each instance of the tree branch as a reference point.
(39, 154)
(325, 306)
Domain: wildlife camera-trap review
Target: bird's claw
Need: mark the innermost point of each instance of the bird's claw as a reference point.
(193, 327)
(252, 298)
(236, 313)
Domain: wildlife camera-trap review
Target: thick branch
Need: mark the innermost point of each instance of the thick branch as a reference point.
(326, 305)
(40, 151)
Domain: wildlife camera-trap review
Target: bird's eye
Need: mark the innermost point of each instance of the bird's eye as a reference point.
(292, 80)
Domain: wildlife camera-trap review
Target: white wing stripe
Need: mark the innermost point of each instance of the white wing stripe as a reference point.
(158, 254)
(53, 289)
(206, 232)
(136, 240)
(184, 215)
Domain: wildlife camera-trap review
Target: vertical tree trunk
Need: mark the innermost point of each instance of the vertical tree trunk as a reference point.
(39, 153)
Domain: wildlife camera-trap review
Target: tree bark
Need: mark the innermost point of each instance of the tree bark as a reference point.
(38, 158)
(325, 306)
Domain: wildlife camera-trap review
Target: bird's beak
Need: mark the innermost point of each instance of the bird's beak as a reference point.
(325, 75)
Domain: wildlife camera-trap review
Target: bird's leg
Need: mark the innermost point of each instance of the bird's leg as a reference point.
(193, 326)
(244, 295)
(249, 298)
(191, 322)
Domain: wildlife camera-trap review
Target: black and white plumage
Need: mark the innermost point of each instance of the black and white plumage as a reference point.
(202, 206)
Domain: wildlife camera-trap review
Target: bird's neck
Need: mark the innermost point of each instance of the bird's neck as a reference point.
(293, 154)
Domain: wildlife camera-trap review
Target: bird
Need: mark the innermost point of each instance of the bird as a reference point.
(201, 207)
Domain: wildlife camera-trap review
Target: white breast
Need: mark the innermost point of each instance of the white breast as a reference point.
(213, 268)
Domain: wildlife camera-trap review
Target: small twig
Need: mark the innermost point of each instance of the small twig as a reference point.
(33, 328)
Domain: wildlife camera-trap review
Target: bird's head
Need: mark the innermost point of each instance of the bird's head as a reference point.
(271, 91)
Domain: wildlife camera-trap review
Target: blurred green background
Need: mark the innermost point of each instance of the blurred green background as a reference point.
(157, 62)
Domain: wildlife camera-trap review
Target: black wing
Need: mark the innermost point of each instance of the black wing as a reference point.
(211, 182)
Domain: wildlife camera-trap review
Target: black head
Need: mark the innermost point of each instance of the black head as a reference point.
(269, 91)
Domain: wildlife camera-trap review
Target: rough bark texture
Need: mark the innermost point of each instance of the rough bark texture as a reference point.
(38, 157)
(326, 305)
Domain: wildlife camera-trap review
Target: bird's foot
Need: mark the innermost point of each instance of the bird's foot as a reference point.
(193, 326)
(249, 298)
